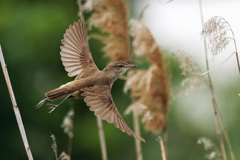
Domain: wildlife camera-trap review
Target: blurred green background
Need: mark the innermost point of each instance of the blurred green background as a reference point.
(30, 36)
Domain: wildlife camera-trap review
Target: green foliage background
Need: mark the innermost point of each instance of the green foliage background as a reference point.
(30, 36)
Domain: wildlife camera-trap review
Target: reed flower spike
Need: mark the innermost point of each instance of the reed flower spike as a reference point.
(190, 69)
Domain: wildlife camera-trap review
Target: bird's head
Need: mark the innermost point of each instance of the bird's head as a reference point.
(117, 68)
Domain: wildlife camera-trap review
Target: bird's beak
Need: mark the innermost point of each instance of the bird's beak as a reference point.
(131, 66)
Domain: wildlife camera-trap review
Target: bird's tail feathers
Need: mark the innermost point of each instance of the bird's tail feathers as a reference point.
(57, 93)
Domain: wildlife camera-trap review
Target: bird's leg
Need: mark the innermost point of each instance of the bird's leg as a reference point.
(54, 106)
(42, 102)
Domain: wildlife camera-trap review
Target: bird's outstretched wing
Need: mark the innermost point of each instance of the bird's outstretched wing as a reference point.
(75, 54)
(99, 99)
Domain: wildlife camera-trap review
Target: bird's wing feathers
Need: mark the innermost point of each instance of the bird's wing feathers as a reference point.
(99, 99)
(75, 54)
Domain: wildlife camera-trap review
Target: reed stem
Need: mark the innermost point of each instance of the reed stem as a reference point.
(54, 146)
(162, 147)
(70, 146)
(15, 107)
(226, 137)
(164, 139)
(215, 107)
(102, 139)
(137, 131)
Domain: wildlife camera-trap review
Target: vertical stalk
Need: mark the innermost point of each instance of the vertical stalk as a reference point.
(70, 134)
(15, 107)
(236, 50)
(164, 141)
(70, 146)
(137, 131)
(216, 118)
(102, 139)
(54, 146)
(226, 137)
(162, 146)
(237, 58)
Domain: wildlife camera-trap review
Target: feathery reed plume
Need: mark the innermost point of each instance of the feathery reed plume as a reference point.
(67, 126)
(191, 70)
(88, 5)
(157, 81)
(111, 17)
(151, 88)
(217, 116)
(15, 107)
(64, 156)
(138, 81)
(216, 30)
(208, 145)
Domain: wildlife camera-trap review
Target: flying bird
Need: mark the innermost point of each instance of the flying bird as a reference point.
(90, 84)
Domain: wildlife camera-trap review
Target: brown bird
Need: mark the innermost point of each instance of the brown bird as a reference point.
(91, 84)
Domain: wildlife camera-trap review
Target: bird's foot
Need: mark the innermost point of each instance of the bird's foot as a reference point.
(41, 103)
(52, 107)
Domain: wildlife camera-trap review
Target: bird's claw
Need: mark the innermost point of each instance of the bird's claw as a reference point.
(52, 107)
(41, 103)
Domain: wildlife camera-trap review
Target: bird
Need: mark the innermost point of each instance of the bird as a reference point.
(91, 84)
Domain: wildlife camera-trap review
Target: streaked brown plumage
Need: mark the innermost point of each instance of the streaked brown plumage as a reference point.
(91, 84)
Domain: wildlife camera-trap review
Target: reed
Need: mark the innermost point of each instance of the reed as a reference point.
(151, 87)
(215, 106)
(15, 107)
(215, 31)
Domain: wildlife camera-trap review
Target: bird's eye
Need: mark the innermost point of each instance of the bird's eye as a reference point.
(121, 66)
